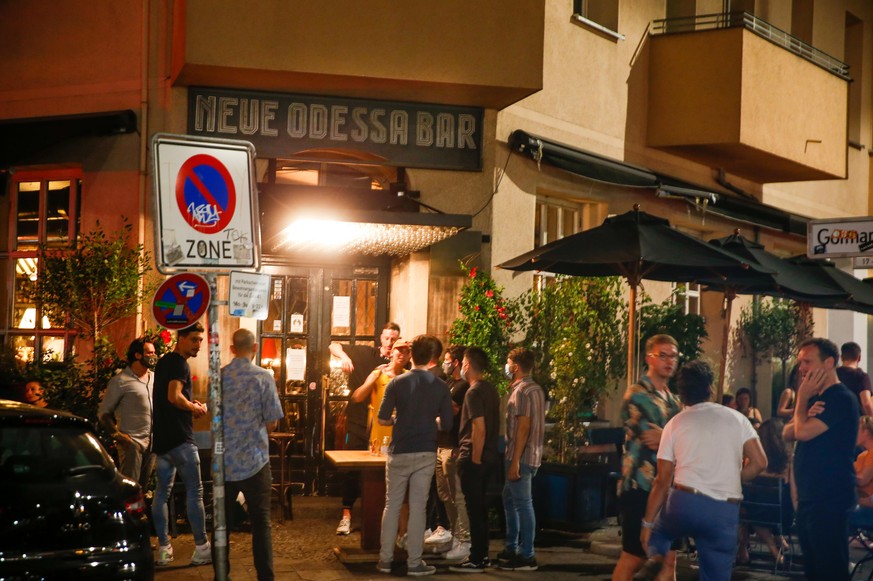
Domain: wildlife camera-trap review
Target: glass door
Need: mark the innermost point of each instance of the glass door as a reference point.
(309, 308)
(356, 307)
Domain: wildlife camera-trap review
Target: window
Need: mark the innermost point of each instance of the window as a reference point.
(687, 295)
(556, 218)
(44, 211)
(600, 15)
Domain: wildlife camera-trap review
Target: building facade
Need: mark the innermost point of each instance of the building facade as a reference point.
(395, 142)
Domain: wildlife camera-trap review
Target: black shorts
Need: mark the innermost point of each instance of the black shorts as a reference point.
(632, 509)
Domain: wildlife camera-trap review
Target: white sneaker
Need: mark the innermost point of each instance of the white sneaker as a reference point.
(165, 555)
(202, 554)
(460, 551)
(345, 526)
(439, 536)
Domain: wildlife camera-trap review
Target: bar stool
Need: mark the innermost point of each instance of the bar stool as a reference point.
(280, 443)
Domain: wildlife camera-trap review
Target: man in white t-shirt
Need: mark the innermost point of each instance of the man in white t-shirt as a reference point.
(699, 481)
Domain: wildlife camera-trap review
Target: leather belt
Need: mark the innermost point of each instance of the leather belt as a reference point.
(697, 492)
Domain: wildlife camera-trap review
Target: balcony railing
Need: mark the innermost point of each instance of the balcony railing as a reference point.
(761, 28)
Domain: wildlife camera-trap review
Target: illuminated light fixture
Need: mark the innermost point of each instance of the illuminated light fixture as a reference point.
(372, 233)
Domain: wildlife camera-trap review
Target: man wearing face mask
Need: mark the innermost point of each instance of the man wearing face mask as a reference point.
(525, 432)
(447, 480)
(126, 411)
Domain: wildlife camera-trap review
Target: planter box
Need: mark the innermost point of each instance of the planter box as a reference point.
(573, 497)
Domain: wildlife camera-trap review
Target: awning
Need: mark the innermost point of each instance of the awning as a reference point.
(373, 233)
(602, 169)
(20, 139)
(581, 162)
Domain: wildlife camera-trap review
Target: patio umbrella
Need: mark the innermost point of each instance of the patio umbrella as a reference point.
(784, 279)
(860, 294)
(634, 245)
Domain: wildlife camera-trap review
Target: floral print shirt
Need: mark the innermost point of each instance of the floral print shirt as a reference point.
(643, 406)
(250, 402)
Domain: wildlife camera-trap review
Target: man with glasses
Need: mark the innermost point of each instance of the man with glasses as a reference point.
(647, 407)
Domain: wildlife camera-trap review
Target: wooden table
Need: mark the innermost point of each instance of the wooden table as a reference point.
(372, 469)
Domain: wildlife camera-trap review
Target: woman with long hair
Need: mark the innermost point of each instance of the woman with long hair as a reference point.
(778, 467)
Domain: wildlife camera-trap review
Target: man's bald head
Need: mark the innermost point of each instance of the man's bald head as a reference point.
(243, 343)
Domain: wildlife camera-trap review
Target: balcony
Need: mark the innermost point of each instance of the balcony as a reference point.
(486, 54)
(732, 92)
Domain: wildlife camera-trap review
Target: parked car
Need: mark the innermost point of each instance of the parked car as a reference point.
(65, 511)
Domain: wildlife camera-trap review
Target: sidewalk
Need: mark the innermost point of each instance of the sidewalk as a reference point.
(303, 549)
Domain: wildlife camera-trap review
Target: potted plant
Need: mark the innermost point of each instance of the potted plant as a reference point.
(772, 329)
(570, 324)
(485, 321)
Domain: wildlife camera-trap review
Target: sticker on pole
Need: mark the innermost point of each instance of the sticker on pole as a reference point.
(206, 214)
(181, 301)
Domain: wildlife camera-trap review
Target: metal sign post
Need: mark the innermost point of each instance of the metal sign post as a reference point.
(206, 219)
(219, 519)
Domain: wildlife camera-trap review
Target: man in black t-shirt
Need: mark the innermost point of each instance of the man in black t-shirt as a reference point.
(478, 454)
(173, 443)
(825, 425)
(856, 379)
(359, 361)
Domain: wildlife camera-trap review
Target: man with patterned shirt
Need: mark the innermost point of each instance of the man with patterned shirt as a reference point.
(647, 407)
(251, 410)
(525, 430)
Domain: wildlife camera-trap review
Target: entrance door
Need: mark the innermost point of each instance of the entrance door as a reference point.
(309, 308)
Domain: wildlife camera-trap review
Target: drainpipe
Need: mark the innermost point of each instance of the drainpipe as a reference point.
(143, 143)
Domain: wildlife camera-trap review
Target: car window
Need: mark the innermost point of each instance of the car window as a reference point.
(45, 453)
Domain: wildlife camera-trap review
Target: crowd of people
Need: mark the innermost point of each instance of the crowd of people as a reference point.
(445, 449)
(697, 472)
(689, 463)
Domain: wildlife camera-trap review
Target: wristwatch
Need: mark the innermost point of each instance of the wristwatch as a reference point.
(647, 525)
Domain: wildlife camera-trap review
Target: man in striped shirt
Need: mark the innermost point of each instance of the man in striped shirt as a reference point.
(525, 427)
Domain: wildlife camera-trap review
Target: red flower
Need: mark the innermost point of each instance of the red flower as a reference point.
(476, 308)
(489, 293)
(473, 272)
(165, 336)
(502, 315)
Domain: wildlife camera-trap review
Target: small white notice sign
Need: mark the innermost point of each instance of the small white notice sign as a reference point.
(342, 312)
(295, 364)
(249, 295)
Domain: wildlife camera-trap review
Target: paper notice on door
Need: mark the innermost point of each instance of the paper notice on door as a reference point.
(295, 364)
(342, 307)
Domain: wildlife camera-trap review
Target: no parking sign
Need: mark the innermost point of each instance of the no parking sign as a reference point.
(206, 214)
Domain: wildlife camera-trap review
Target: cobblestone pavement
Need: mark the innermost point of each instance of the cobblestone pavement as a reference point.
(304, 549)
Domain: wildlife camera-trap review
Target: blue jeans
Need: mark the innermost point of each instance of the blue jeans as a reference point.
(186, 460)
(712, 523)
(520, 518)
